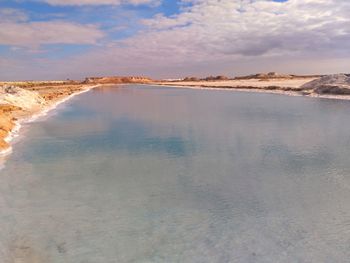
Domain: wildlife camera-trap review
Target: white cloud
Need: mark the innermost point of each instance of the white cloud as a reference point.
(34, 34)
(38, 33)
(228, 36)
(251, 28)
(101, 2)
(17, 31)
(10, 15)
(215, 35)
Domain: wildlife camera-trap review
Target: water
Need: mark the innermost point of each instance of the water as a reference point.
(154, 174)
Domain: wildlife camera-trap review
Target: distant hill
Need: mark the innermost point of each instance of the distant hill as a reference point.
(210, 78)
(274, 75)
(117, 80)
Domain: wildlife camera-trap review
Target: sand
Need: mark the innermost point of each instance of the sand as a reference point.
(258, 83)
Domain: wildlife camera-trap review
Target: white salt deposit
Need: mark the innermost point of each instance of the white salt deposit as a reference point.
(340, 80)
(20, 97)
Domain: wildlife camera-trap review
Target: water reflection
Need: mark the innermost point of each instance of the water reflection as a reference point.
(149, 174)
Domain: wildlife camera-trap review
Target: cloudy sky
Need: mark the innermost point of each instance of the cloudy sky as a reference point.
(59, 39)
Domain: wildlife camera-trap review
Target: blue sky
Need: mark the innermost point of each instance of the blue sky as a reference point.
(46, 39)
(107, 16)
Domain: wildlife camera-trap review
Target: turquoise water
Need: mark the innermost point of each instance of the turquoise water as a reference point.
(155, 174)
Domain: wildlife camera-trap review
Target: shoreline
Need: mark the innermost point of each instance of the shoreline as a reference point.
(34, 116)
(258, 90)
(53, 104)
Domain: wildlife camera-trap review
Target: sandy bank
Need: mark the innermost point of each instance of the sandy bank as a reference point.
(284, 86)
(256, 83)
(29, 102)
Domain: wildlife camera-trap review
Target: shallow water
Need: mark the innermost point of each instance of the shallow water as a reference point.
(154, 174)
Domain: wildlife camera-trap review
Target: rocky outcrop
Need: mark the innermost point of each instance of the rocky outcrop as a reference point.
(337, 84)
(116, 80)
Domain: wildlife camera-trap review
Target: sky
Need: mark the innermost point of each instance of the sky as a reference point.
(61, 39)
